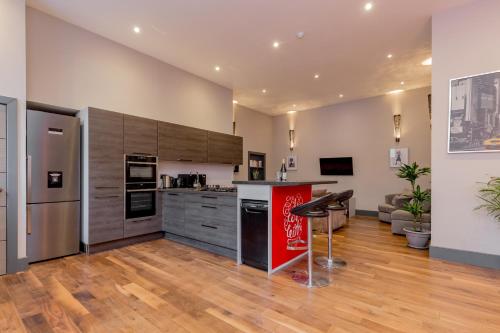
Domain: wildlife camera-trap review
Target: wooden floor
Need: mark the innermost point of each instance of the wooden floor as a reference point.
(162, 286)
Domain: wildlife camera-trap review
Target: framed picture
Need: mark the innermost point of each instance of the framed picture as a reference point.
(398, 157)
(291, 162)
(474, 115)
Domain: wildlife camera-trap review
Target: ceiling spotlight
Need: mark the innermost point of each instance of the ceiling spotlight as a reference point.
(295, 105)
(316, 76)
(341, 96)
(368, 6)
(217, 68)
(137, 29)
(291, 112)
(276, 45)
(402, 83)
(394, 92)
(235, 101)
(389, 56)
(427, 62)
(300, 34)
(264, 91)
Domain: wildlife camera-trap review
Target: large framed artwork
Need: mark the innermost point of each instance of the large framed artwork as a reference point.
(474, 115)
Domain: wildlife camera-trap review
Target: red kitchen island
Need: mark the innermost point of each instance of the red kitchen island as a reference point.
(265, 226)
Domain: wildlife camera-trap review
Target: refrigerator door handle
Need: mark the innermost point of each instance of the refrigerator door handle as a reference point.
(28, 172)
(28, 220)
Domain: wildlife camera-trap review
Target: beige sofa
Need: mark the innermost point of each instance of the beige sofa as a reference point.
(392, 203)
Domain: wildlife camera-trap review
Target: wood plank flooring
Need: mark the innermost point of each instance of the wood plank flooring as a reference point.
(161, 286)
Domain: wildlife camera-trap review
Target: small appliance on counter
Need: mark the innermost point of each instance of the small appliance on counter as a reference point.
(189, 180)
(167, 181)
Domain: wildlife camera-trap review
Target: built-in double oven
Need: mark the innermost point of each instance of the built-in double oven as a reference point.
(140, 186)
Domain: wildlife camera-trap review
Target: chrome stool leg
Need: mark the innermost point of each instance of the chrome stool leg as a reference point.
(330, 262)
(312, 279)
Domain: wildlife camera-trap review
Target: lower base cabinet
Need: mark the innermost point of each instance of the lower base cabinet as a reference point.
(205, 218)
(142, 226)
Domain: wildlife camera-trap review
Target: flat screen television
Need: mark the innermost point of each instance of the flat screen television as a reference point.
(336, 166)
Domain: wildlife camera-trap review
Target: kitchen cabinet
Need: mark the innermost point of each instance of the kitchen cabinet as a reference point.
(140, 136)
(181, 143)
(204, 217)
(142, 226)
(106, 177)
(225, 148)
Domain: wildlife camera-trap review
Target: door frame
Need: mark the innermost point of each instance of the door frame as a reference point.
(14, 264)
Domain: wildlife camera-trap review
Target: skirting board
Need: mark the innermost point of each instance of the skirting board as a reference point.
(466, 257)
(371, 213)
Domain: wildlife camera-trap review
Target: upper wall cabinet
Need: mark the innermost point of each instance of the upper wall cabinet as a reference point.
(225, 148)
(140, 136)
(181, 143)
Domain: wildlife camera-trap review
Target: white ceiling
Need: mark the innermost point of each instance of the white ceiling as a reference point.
(346, 45)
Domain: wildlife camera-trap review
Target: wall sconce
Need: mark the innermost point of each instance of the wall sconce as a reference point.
(291, 136)
(397, 127)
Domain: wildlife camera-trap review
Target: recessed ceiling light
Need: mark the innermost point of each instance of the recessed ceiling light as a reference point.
(394, 92)
(341, 96)
(235, 101)
(137, 29)
(316, 76)
(300, 34)
(217, 68)
(291, 111)
(427, 62)
(295, 105)
(368, 6)
(276, 44)
(264, 91)
(389, 56)
(402, 83)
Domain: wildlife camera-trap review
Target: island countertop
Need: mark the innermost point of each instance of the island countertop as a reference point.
(287, 183)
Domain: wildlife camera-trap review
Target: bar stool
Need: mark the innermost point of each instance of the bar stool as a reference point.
(330, 262)
(311, 209)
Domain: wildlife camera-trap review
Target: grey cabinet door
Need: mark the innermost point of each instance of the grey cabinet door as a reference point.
(106, 216)
(106, 176)
(225, 148)
(181, 143)
(141, 136)
(173, 213)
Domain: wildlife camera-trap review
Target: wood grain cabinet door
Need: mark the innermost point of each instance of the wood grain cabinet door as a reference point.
(225, 148)
(182, 143)
(140, 136)
(106, 176)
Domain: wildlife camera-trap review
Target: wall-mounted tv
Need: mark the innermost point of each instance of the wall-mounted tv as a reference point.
(336, 166)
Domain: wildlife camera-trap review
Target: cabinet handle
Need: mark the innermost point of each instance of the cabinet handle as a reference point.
(172, 193)
(211, 207)
(184, 160)
(208, 197)
(106, 187)
(137, 221)
(106, 197)
(209, 226)
(29, 226)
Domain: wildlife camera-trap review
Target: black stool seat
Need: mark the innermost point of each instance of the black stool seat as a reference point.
(315, 208)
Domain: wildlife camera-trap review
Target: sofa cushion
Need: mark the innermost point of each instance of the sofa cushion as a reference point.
(386, 208)
(399, 200)
(403, 215)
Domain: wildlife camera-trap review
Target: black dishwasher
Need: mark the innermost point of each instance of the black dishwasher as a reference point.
(254, 233)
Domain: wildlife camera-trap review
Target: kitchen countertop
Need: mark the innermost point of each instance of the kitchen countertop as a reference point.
(193, 191)
(287, 183)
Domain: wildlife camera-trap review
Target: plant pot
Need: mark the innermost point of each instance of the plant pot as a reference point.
(418, 239)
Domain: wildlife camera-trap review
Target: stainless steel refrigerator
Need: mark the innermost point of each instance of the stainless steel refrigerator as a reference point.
(53, 185)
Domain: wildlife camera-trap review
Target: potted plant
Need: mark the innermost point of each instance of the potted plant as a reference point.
(490, 195)
(411, 172)
(417, 236)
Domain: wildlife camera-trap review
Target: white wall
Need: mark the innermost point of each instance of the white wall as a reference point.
(256, 128)
(13, 84)
(465, 42)
(363, 129)
(71, 67)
